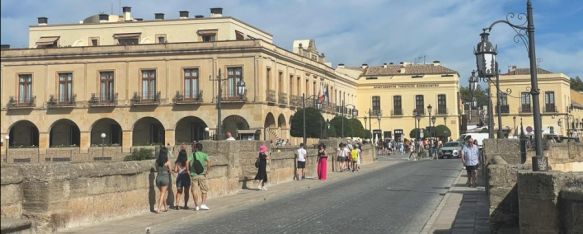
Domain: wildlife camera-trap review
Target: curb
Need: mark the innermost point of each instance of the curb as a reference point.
(429, 225)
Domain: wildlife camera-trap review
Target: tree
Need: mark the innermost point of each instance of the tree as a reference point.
(480, 95)
(332, 131)
(352, 127)
(441, 131)
(313, 123)
(577, 84)
(357, 128)
(415, 133)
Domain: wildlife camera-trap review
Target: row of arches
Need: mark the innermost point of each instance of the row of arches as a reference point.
(146, 131)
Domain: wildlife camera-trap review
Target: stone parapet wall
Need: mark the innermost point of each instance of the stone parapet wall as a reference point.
(550, 202)
(503, 193)
(11, 195)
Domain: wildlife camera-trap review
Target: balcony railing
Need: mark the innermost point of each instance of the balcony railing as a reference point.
(420, 111)
(330, 107)
(397, 112)
(441, 111)
(296, 101)
(26, 103)
(505, 109)
(282, 99)
(148, 100)
(180, 99)
(525, 109)
(270, 96)
(107, 101)
(550, 108)
(234, 99)
(67, 102)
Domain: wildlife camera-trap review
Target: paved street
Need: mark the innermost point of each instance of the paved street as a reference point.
(396, 199)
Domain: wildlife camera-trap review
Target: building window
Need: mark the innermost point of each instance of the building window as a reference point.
(191, 83)
(441, 104)
(106, 85)
(397, 109)
(48, 42)
(65, 87)
(299, 84)
(208, 37)
(280, 83)
(149, 84)
(268, 78)
(24, 88)
(291, 84)
(419, 104)
(127, 38)
(550, 101)
(525, 102)
(234, 75)
(127, 41)
(94, 41)
(376, 104)
(161, 39)
(239, 36)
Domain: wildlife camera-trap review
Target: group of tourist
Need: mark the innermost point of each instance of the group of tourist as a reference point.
(348, 157)
(321, 162)
(191, 173)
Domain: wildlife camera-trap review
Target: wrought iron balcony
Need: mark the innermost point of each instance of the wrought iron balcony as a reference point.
(296, 101)
(270, 96)
(441, 110)
(234, 99)
(550, 108)
(26, 103)
(397, 112)
(107, 101)
(152, 99)
(66, 102)
(180, 99)
(282, 99)
(525, 109)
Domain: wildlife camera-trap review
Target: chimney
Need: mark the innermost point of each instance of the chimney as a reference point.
(127, 13)
(391, 63)
(364, 66)
(217, 12)
(103, 18)
(385, 65)
(43, 20)
(341, 65)
(139, 19)
(436, 63)
(183, 14)
(199, 16)
(5, 46)
(159, 16)
(511, 68)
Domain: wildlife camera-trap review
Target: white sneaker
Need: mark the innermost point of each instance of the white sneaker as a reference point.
(204, 207)
(196, 208)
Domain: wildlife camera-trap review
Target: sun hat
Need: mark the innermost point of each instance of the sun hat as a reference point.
(262, 149)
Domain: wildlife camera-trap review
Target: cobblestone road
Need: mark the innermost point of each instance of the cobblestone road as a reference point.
(396, 199)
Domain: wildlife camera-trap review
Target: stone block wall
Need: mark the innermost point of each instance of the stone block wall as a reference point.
(508, 149)
(503, 193)
(542, 209)
(11, 195)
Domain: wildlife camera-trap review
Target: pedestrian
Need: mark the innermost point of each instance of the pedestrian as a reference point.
(199, 168)
(182, 178)
(471, 159)
(354, 158)
(230, 137)
(162, 178)
(301, 158)
(322, 162)
(339, 158)
(347, 155)
(261, 176)
(359, 161)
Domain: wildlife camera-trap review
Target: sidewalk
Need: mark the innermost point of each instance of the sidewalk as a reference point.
(221, 205)
(462, 210)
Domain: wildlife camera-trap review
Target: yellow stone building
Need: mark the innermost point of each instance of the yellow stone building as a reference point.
(393, 91)
(144, 82)
(559, 111)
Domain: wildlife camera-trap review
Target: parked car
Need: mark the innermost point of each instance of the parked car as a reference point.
(450, 150)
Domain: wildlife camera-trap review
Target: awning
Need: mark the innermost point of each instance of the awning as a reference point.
(126, 35)
(207, 31)
(43, 41)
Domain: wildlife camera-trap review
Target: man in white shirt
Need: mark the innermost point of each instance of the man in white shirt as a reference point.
(301, 155)
(230, 137)
(471, 159)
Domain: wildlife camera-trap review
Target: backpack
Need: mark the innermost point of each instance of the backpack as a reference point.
(196, 166)
(354, 154)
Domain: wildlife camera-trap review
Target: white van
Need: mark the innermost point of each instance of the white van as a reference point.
(479, 136)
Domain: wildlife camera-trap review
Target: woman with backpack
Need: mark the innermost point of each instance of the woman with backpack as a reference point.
(261, 176)
(162, 178)
(182, 178)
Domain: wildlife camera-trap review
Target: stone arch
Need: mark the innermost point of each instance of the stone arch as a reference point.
(112, 130)
(234, 123)
(189, 129)
(269, 121)
(23, 133)
(281, 123)
(64, 132)
(148, 131)
(270, 128)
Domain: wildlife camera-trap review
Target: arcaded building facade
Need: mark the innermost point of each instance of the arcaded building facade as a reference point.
(124, 82)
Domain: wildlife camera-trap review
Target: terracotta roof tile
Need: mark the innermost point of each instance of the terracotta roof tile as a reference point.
(410, 69)
(525, 71)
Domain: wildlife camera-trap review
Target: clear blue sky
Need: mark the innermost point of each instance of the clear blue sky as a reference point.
(357, 31)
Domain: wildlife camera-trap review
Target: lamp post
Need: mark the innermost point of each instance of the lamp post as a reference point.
(206, 133)
(486, 62)
(7, 145)
(514, 129)
(379, 116)
(241, 89)
(304, 118)
(417, 126)
(473, 87)
(103, 135)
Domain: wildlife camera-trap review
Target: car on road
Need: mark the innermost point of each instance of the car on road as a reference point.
(450, 150)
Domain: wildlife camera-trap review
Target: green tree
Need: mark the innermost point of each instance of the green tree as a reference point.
(352, 127)
(577, 84)
(313, 123)
(415, 132)
(480, 95)
(332, 131)
(357, 128)
(441, 131)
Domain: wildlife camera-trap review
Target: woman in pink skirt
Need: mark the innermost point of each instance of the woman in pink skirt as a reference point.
(322, 162)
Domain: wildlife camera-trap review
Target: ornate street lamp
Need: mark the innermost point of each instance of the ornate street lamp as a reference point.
(473, 88)
(103, 136)
(7, 145)
(486, 63)
(241, 88)
(417, 126)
